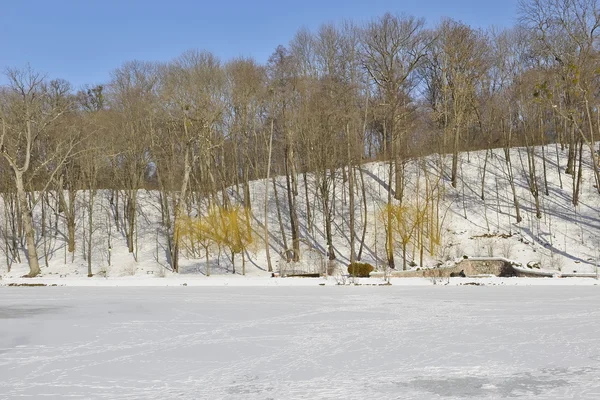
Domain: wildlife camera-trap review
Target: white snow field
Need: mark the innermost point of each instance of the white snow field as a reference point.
(263, 343)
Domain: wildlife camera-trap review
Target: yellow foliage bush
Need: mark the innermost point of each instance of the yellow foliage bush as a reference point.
(221, 226)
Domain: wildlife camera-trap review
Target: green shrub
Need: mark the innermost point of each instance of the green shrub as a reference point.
(361, 270)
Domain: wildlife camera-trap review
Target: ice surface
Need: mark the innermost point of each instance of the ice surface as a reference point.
(436, 342)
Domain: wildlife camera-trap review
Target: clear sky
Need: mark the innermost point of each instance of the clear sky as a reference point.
(83, 40)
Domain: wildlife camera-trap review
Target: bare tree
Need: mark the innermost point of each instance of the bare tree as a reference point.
(28, 107)
(283, 78)
(133, 95)
(393, 48)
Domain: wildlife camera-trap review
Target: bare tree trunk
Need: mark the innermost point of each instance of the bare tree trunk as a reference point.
(7, 248)
(116, 197)
(109, 220)
(351, 211)
(533, 184)
(92, 194)
(485, 163)
(404, 243)
(572, 151)
(247, 200)
(44, 230)
(130, 218)
(399, 179)
(543, 145)
(327, 215)
(281, 229)
(68, 209)
(34, 265)
(12, 215)
(362, 187)
(179, 199)
(389, 244)
(511, 179)
(166, 217)
(577, 189)
(292, 191)
(309, 223)
(267, 249)
(365, 213)
(207, 261)
(455, 157)
(243, 263)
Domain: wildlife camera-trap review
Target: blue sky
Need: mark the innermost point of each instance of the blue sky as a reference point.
(83, 40)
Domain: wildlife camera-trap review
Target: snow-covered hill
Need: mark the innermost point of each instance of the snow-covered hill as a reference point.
(566, 238)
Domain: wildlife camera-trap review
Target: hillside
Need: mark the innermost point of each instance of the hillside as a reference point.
(565, 238)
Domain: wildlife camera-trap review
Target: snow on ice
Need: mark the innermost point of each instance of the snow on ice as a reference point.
(435, 342)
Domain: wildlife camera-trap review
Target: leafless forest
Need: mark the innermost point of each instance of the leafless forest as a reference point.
(391, 89)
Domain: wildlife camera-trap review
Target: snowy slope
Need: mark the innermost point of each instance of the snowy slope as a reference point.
(565, 239)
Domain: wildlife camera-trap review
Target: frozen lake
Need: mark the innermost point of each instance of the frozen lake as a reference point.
(300, 343)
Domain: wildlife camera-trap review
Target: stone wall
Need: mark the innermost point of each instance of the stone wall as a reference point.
(470, 266)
